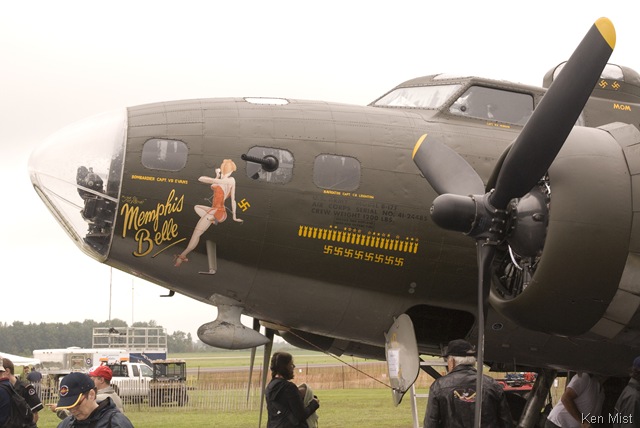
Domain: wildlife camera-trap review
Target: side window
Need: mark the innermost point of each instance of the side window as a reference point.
(336, 172)
(167, 155)
(146, 371)
(136, 372)
(282, 174)
(119, 370)
(494, 104)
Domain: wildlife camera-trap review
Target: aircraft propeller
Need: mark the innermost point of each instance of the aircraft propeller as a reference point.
(463, 205)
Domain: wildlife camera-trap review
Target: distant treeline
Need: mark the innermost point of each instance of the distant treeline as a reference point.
(21, 339)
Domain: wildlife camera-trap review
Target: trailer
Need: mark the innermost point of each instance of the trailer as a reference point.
(57, 363)
(67, 360)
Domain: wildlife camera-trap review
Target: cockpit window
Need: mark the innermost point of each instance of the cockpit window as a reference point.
(166, 155)
(494, 104)
(418, 97)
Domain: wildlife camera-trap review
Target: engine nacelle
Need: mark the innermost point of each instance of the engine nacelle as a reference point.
(588, 237)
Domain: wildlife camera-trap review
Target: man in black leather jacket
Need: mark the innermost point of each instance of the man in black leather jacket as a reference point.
(451, 402)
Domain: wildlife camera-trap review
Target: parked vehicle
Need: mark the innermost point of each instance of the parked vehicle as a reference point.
(131, 380)
(169, 383)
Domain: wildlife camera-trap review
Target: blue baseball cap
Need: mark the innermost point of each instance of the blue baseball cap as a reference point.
(71, 389)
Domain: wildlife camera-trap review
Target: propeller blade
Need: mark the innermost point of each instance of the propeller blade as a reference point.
(445, 170)
(485, 254)
(265, 368)
(546, 131)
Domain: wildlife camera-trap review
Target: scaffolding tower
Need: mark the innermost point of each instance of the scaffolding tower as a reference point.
(133, 339)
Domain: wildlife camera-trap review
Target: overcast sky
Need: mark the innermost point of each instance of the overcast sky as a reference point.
(62, 61)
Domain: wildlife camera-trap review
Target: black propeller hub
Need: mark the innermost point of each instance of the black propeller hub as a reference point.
(472, 215)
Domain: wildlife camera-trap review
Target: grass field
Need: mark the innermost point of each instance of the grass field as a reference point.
(240, 358)
(339, 408)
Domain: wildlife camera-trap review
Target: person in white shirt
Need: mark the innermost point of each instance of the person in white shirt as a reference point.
(580, 404)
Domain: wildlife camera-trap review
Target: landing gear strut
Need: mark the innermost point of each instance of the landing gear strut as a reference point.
(539, 393)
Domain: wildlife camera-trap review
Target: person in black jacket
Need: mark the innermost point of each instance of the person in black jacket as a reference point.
(78, 395)
(25, 390)
(285, 408)
(451, 402)
(628, 404)
(5, 397)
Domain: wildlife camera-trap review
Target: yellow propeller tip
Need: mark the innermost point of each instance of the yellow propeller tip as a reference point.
(608, 31)
(417, 146)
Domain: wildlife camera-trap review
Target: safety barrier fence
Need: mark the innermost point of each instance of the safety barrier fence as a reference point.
(230, 390)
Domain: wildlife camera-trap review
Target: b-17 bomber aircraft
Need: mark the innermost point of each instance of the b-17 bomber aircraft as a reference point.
(327, 222)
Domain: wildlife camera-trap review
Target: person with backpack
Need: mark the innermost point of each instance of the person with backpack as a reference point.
(14, 410)
(25, 390)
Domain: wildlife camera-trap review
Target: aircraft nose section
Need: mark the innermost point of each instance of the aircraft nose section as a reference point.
(77, 172)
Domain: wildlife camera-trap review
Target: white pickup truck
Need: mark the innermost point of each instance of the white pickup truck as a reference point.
(131, 381)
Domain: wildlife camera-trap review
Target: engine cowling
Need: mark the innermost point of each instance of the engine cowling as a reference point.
(587, 240)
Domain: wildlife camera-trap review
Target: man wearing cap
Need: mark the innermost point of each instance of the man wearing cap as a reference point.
(101, 376)
(452, 397)
(78, 395)
(35, 378)
(628, 404)
(25, 390)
